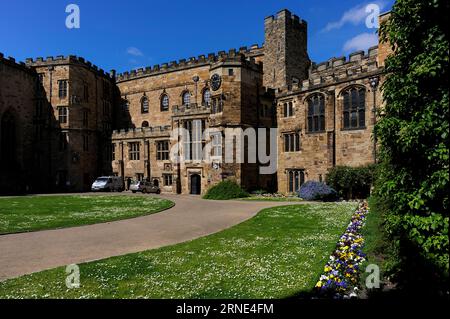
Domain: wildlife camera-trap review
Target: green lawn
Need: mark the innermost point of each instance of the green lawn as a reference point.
(376, 244)
(279, 253)
(31, 213)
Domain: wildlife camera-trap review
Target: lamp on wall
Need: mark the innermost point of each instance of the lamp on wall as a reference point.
(196, 79)
(374, 82)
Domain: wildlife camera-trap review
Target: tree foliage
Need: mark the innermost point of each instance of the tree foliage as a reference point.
(413, 136)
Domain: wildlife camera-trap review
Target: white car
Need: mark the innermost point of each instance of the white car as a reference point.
(144, 187)
(108, 184)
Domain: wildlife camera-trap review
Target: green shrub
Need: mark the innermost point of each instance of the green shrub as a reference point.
(225, 190)
(351, 182)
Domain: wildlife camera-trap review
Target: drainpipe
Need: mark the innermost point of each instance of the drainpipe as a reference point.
(258, 124)
(50, 177)
(374, 85)
(122, 164)
(334, 128)
(178, 186)
(149, 172)
(196, 79)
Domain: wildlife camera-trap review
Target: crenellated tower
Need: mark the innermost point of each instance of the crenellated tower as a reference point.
(286, 57)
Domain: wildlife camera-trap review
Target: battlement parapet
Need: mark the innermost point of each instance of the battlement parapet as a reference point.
(142, 132)
(336, 70)
(286, 16)
(358, 57)
(341, 68)
(65, 60)
(242, 55)
(12, 62)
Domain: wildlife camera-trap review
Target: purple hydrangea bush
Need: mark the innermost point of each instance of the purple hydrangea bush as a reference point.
(313, 190)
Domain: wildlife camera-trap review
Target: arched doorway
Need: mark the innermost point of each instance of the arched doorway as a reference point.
(8, 141)
(196, 184)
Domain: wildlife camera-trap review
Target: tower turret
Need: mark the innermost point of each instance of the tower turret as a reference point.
(285, 50)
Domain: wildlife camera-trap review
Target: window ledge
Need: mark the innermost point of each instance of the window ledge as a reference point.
(315, 132)
(354, 128)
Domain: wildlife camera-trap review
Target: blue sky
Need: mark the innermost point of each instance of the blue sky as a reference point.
(124, 35)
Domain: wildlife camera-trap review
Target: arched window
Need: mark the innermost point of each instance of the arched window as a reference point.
(144, 104)
(354, 108)
(316, 113)
(145, 124)
(186, 98)
(206, 97)
(164, 103)
(8, 139)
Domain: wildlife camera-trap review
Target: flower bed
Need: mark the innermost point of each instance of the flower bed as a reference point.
(341, 273)
(273, 195)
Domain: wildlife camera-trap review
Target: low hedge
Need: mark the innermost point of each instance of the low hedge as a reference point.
(226, 190)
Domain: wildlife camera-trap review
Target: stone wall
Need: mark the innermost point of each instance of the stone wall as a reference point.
(256, 82)
(384, 49)
(335, 145)
(90, 102)
(147, 167)
(241, 95)
(21, 158)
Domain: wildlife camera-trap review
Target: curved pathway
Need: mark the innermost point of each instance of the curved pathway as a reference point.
(190, 218)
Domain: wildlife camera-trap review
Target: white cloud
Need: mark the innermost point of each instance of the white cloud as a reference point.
(355, 15)
(134, 51)
(362, 41)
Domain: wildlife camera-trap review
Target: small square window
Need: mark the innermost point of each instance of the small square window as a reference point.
(134, 152)
(168, 180)
(162, 151)
(230, 72)
(63, 114)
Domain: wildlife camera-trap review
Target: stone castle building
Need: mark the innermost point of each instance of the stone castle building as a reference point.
(64, 121)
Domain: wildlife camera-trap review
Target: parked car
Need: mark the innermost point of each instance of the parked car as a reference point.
(108, 184)
(144, 187)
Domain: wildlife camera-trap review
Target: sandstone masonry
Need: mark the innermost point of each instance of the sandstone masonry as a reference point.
(64, 121)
